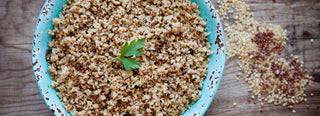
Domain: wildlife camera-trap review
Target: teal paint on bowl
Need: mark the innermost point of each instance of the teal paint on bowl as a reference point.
(52, 8)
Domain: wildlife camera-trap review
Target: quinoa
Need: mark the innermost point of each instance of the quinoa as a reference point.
(88, 33)
(272, 77)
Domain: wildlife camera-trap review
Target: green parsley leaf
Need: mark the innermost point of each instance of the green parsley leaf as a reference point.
(131, 49)
(130, 63)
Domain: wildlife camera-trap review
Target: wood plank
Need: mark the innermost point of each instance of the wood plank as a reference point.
(19, 94)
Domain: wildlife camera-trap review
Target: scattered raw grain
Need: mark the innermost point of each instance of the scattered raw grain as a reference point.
(272, 78)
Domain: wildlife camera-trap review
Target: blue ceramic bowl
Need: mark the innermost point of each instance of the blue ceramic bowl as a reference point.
(52, 8)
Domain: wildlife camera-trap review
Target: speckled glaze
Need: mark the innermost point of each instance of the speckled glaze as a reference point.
(52, 8)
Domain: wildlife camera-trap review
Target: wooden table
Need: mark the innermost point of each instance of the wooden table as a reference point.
(19, 94)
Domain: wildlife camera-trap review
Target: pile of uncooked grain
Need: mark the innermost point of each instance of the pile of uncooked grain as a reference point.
(272, 78)
(88, 33)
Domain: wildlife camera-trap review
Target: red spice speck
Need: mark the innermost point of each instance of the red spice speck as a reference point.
(313, 79)
(312, 70)
(291, 43)
(307, 106)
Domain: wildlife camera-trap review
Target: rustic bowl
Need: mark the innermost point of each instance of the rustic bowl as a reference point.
(52, 8)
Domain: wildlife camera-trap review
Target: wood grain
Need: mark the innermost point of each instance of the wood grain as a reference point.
(19, 94)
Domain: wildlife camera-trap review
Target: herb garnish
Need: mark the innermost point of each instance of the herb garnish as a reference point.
(131, 49)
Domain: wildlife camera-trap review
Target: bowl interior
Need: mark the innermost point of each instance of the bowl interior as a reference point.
(52, 8)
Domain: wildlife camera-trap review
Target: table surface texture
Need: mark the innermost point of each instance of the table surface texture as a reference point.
(19, 94)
